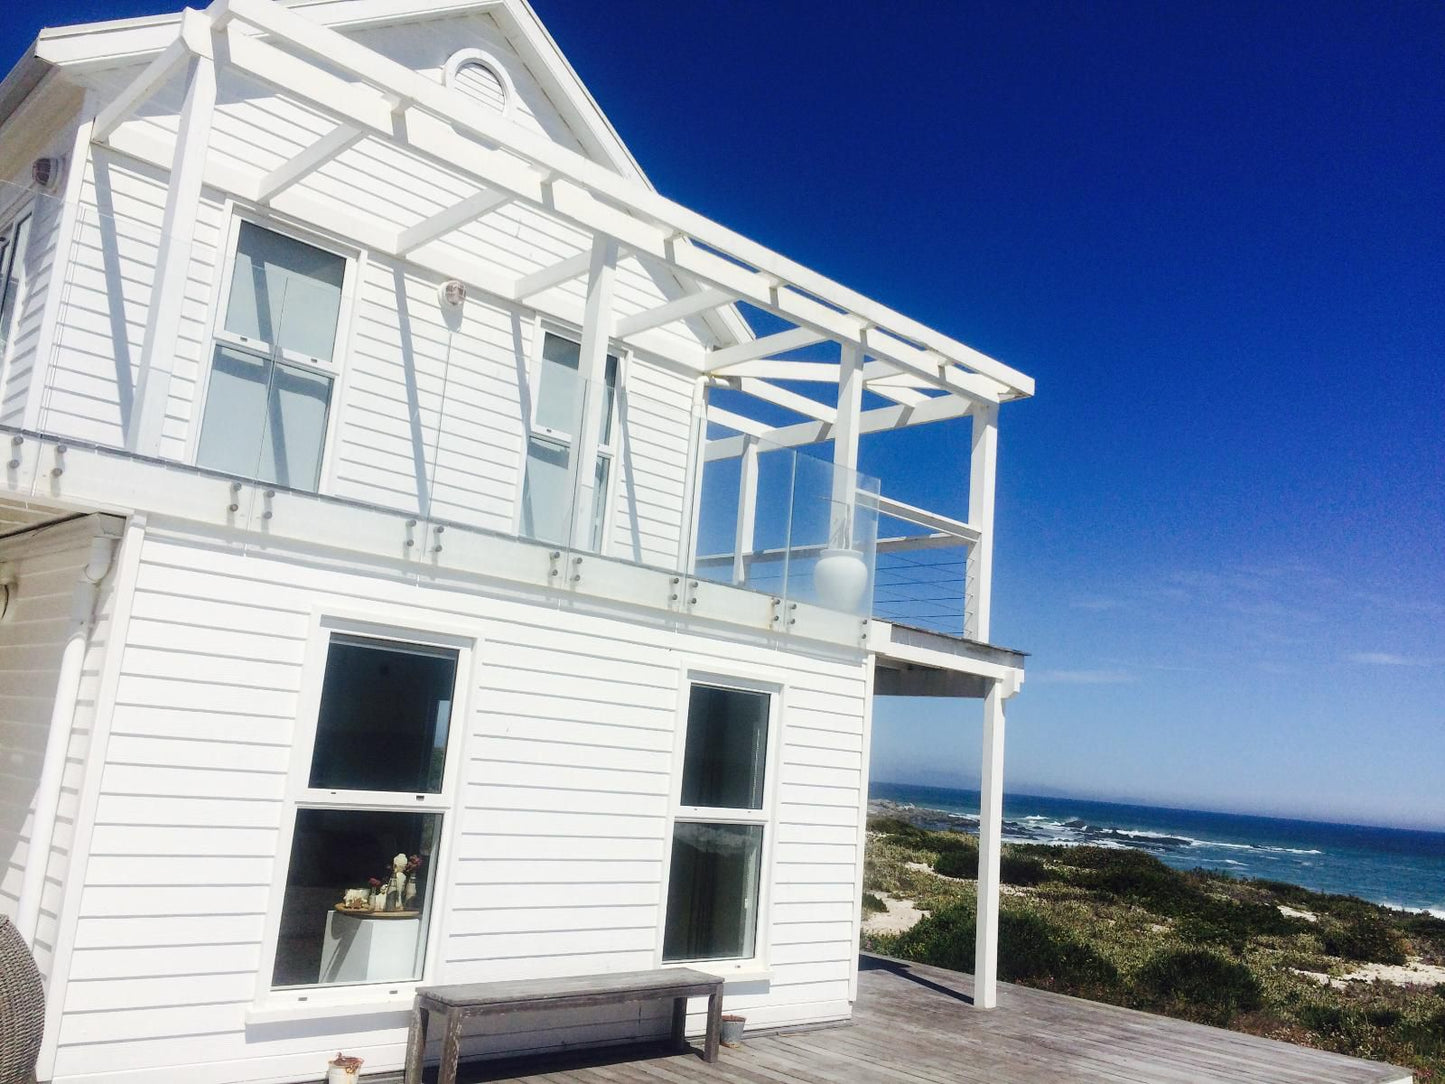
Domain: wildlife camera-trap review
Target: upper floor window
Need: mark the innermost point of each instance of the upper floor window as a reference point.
(561, 402)
(14, 241)
(272, 367)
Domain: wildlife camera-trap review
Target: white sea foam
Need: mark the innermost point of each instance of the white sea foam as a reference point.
(1435, 912)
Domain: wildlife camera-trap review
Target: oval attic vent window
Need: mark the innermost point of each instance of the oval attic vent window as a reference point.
(478, 80)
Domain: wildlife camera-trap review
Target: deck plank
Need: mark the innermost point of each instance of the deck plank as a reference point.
(916, 1025)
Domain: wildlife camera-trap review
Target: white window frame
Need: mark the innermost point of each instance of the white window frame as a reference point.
(216, 334)
(394, 625)
(22, 213)
(611, 449)
(772, 684)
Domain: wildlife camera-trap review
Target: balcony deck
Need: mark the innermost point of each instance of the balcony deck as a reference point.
(914, 1025)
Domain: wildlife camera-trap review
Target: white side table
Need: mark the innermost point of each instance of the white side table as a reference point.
(370, 946)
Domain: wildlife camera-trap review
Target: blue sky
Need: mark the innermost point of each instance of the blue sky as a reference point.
(1213, 234)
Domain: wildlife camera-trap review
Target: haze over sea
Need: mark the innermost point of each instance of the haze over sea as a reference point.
(1392, 866)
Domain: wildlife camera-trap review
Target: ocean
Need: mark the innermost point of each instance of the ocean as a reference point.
(1392, 866)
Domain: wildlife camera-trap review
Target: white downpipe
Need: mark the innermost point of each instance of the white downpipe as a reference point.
(57, 745)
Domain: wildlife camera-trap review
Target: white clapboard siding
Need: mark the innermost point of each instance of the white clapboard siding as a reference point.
(558, 832)
(427, 417)
(100, 336)
(19, 196)
(31, 642)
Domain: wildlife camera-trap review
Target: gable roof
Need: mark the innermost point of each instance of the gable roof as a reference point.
(130, 41)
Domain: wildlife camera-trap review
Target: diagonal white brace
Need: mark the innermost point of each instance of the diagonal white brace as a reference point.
(453, 218)
(341, 138)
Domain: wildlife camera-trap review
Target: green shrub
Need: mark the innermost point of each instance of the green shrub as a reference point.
(1364, 936)
(898, 829)
(872, 905)
(1199, 984)
(1031, 949)
(1022, 870)
(1384, 1017)
(957, 862)
(1034, 949)
(943, 939)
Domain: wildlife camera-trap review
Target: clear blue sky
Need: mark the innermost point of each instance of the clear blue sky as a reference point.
(1213, 233)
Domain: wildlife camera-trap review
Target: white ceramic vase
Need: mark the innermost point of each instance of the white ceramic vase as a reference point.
(840, 577)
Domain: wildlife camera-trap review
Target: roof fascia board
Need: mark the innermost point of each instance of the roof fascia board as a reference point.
(105, 44)
(27, 74)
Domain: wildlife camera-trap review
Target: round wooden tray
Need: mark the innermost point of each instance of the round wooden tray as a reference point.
(358, 913)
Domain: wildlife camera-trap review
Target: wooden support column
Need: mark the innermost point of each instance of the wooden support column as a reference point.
(983, 471)
(845, 446)
(183, 198)
(743, 541)
(592, 368)
(990, 840)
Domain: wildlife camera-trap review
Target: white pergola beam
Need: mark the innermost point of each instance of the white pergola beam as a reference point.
(793, 339)
(548, 277)
(799, 404)
(439, 141)
(922, 517)
(453, 218)
(655, 214)
(680, 309)
(812, 372)
(870, 421)
(738, 423)
(337, 141)
(904, 396)
(141, 89)
(145, 144)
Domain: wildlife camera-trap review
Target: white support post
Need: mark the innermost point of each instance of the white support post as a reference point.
(178, 225)
(744, 541)
(990, 842)
(592, 368)
(845, 446)
(983, 472)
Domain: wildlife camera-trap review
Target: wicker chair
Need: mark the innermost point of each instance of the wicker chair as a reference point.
(22, 1007)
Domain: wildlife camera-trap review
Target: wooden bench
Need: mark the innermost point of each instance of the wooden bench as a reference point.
(457, 1003)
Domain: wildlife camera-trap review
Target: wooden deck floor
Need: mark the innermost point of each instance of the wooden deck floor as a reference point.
(915, 1025)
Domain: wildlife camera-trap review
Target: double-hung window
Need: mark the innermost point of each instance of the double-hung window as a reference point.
(273, 363)
(14, 241)
(561, 402)
(371, 801)
(715, 876)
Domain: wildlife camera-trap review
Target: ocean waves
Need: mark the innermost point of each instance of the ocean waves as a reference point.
(1388, 866)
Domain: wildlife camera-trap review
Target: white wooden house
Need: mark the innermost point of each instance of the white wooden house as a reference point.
(311, 312)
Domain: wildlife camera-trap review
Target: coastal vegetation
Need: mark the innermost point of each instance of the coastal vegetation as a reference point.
(1120, 926)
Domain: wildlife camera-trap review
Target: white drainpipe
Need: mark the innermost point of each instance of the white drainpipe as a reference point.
(62, 721)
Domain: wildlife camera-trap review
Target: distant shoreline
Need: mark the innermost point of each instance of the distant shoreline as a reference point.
(1401, 869)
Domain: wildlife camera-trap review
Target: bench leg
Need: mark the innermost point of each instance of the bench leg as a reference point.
(714, 1025)
(679, 1022)
(415, 1044)
(451, 1049)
